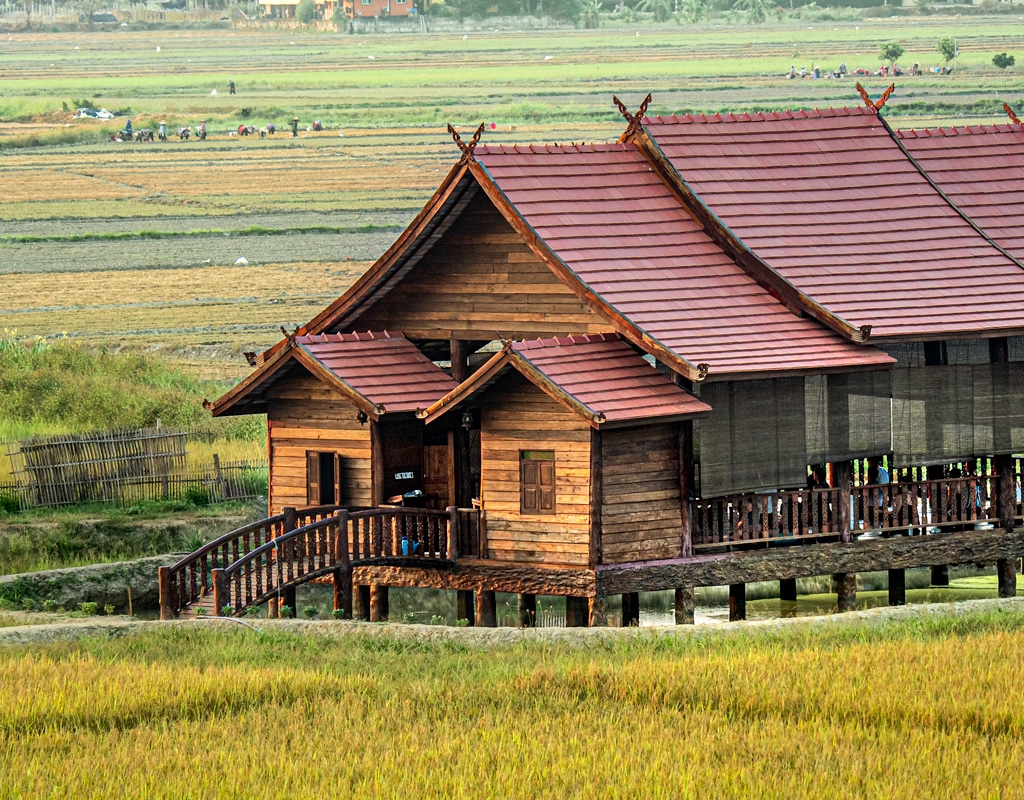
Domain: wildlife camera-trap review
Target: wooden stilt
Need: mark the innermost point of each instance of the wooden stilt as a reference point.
(787, 589)
(288, 599)
(897, 587)
(1007, 571)
(361, 601)
(737, 602)
(940, 575)
(1006, 492)
(684, 605)
(527, 611)
(598, 612)
(343, 592)
(164, 579)
(378, 603)
(846, 590)
(272, 608)
(630, 609)
(577, 612)
(465, 606)
(486, 610)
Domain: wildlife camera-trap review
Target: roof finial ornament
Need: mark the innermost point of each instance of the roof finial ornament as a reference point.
(1011, 115)
(290, 336)
(875, 104)
(632, 119)
(467, 149)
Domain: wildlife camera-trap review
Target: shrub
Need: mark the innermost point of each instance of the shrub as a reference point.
(1002, 60)
(28, 604)
(305, 11)
(197, 496)
(252, 611)
(200, 611)
(436, 619)
(338, 613)
(227, 611)
(108, 609)
(51, 606)
(462, 623)
(286, 612)
(89, 609)
(9, 504)
(310, 612)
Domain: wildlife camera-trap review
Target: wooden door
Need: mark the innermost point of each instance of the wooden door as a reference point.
(438, 483)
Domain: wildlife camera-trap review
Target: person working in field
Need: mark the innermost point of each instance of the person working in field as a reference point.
(231, 87)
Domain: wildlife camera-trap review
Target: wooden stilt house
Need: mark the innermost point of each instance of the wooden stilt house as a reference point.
(618, 363)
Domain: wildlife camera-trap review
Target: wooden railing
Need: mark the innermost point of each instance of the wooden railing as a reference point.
(250, 565)
(908, 506)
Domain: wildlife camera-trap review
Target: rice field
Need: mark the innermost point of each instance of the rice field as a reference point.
(925, 707)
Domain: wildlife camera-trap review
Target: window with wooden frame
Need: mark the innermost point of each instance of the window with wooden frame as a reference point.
(536, 482)
(324, 484)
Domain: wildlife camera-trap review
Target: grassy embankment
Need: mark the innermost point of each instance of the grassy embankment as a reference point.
(923, 707)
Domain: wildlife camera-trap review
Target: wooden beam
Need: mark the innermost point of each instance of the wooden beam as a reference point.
(598, 612)
(460, 365)
(1006, 491)
(343, 592)
(686, 483)
(1006, 569)
(577, 612)
(596, 495)
(164, 581)
(376, 463)
(465, 606)
(361, 602)
(842, 472)
(475, 574)
(900, 552)
(379, 605)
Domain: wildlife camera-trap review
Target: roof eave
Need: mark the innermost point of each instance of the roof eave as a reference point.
(223, 405)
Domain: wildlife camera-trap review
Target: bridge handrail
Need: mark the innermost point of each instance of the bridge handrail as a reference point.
(238, 533)
(275, 544)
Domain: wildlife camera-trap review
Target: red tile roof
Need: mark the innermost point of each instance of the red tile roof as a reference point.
(607, 376)
(599, 377)
(610, 219)
(386, 368)
(830, 201)
(981, 169)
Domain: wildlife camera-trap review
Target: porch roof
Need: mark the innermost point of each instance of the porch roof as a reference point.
(615, 223)
(599, 377)
(832, 204)
(981, 169)
(379, 372)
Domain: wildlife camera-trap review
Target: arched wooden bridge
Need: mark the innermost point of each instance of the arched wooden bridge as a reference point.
(269, 558)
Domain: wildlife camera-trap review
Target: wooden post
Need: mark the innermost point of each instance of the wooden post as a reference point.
(846, 590)
(378, 603)
(453, 533)
(221, 490)
(1006, 491)
(841, 474)
(465, 606)
(343, 592)
(598, 612)
(376, 464)
(486, 610)
(527, 611)
(1006, 569)
(897, 587)
(940, 575)
(737, 602)
(685, 488)
(164, 581)
(220, 591)
(460, 366)
(361, 602)
(577, 612)
(290, 521)
(272, 612)
(630, 609)
(684, 605)
(288, 599)
(596, 496)
(787, 589)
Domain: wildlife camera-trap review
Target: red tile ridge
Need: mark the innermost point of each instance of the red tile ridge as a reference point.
(999, 127)
(577, 338)
(323, 338)
(761, 116)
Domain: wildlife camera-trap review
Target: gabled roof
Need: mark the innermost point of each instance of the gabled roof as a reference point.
(598, 377)
(378, 372)
(618, 229)
(834, 206)
(981, 169)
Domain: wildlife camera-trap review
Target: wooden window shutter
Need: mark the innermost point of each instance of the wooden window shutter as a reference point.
(340, 492)
(536, 482)
(312, 478)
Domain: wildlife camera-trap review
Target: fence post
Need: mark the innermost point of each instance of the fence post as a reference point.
(220, 591)
(164, 581)
(221, 489)
(453, 533)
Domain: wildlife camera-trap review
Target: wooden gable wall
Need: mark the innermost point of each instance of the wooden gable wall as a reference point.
(514, 416)
(481, 281)
(303, 415)
(640, 509)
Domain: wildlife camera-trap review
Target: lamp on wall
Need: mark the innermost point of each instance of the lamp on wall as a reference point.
(361, 416)
(467, 419)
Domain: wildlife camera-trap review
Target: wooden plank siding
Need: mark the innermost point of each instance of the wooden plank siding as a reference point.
(640, 509)
(305, 415)
(481, 281)
(516, 416)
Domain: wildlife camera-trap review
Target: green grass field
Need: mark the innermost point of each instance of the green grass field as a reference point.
(925, 707)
